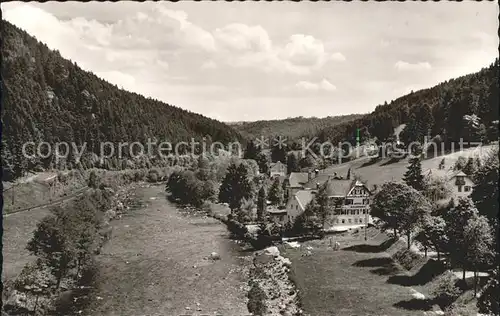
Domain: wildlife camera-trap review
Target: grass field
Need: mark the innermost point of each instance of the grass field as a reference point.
(37, 189)
(359, 279)
(382, 171)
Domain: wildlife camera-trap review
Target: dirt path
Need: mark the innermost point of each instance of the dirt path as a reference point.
(154, 265)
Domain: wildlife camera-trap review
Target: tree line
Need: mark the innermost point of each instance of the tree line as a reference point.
(50, 99)
(465, 107)
(465, 231)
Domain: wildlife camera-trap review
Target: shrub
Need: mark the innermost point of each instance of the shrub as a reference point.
(446, 291)
(153, 176)
(237, 229)
(256, 300)
(185, 188)
(408, 259)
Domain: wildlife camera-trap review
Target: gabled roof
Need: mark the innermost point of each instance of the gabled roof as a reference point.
(358, 183)
(298, 179)
(338, 188)
(277, 165)
(459, 173)
(304, 197)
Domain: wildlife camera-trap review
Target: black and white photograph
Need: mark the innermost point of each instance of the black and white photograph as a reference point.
(250, 158)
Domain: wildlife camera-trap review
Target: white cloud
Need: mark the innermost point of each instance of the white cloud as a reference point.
(337, 57)
(241, 37)
(324, 85)
(122, 80)
(251, 47)
(303, 50)
(158, 49)
(210, 64)
(403, 65)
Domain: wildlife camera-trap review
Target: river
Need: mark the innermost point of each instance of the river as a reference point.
(156, 264)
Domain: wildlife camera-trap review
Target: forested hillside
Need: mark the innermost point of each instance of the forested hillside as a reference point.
(48, 98)
(291, 128)
(465, 107)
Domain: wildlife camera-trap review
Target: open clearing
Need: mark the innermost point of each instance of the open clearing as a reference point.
(155, 264)
(352, 281)
(17, 231)
(381, 171)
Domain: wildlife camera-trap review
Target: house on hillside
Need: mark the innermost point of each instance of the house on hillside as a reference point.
(296, 181)
(349, 201)
(277, 169)
(278, 216)
(461, 185)
(297, 203)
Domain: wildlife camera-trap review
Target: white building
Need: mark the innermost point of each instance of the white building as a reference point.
(277, 169)
(458, 182)
(349, 201)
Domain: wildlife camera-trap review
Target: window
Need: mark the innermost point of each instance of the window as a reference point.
(281, 217)
(355, 220)
(357, 212)
(343, 221)
(361, 220)
(350, 221)
(467, 188)
(459, 188)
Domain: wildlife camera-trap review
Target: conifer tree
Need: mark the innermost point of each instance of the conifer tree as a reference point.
(261, 204)
(276, 193)
(235, 187)
(413, 176)
(470, 167)
(251, 151)
(263, 163)
(292, 163)
(278, 153)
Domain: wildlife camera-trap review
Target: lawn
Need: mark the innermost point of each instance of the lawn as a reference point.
(352, 281)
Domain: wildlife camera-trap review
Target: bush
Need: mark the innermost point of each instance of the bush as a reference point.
(185, 188)
(256, 300)
(153, 176)
(408, 259)
(446, 291)
(237, 229)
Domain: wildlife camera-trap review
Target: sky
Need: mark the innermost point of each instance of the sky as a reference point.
(245, 61)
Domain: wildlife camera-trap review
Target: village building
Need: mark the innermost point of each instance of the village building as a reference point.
(297, 204)
(277, 169)
(296, 181)
(458, 182)
(350, 203)
(349, 200)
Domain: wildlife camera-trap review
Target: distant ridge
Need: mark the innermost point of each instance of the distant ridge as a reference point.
(291, 128)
